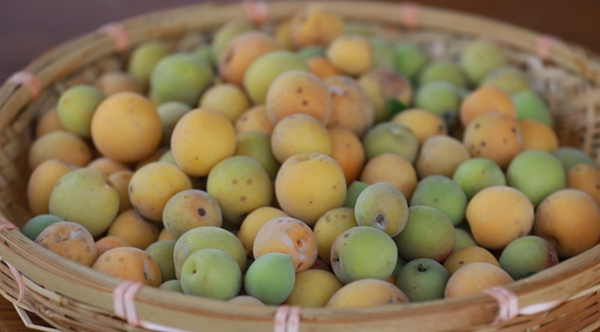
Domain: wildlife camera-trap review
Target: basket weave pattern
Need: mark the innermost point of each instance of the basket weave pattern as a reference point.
(72, 298)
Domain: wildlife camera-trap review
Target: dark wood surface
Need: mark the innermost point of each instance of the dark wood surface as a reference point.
(30, 27)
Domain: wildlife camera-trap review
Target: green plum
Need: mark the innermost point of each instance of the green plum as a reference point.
(363, 252)
(211, 273)
(270, 278)
(423, 279)
(537, 174)
(428, 234)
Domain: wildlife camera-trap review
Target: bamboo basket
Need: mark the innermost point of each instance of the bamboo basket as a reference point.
(72, 298)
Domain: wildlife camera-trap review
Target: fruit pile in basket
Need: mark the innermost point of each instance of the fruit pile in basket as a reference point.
(314, 162)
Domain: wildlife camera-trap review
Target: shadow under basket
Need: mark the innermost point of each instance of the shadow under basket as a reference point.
(70, 297)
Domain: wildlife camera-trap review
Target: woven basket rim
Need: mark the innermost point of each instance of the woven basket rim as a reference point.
(16, 248)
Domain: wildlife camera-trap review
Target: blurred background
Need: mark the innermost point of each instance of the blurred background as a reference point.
(30, 27)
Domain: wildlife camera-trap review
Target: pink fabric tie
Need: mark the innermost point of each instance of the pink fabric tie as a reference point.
(257, 11)
(118, 33)
(287, 318)
(508, 304)
(411, 14)
(31, 81)
(544, 46)
(124, 307)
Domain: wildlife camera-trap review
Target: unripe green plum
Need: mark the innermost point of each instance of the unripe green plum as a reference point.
(476, 174)
(391, 137)
(76, 106)
(443, 194)
(85, 196)
(169, 113)
(240, 185)
(443, 70)
(423, 279)
(537, 174)
(270, 278)
(382, 206)
(263, 71)
(144, 58)
(162, 253)
(441, 98)
(34, 226)
(363, 252)
(511, 79)
(479, 58)
(527, 255)
(257, 145)
(211, 273)
(428, 234)
(208, 237)
(173, 285)
(180, 77)
(530, 106)
(409, 59)
(571, 156)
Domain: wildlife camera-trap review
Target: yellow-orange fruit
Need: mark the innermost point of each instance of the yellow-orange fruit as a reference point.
(109, 242)
(61, 145)
(538, 136)
(586, 178)
(367, 293)
(313, 288)
(570, 220)
(495, 136)
(422, 123)
(322, 67)
(201, 139)
(151, 187)
(42, 181)
(475, 277)
(440, 155)
(114, 82)
(120, 181)
(255, 118)
(227, 99)
(297, 91)
(49, 121)
(348, 151)
(315, 25)
(351, 54)
(106, 166)
(351, 106)
(254, 221)
(497, 215)
(241, 51)
(393, 169)
(329, 226)
(299, 133)
(288, 236)
(134, 229)
(126, 127)
(467, 255)
(283, 34)
(164, 235)
(484, 100)
(309, 185)
(70, 240)
(130, 264)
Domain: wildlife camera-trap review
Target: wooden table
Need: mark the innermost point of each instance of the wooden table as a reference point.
(30, 27)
